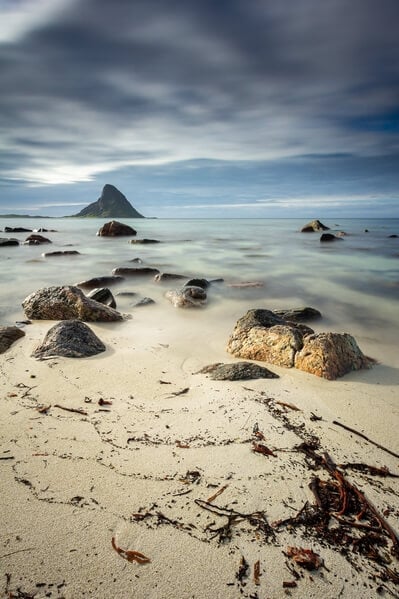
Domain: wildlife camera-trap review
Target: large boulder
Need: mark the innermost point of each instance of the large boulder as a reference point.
(314, 225)
(187, 297)
(265, 336)
(70, 339)
(115, 229)
(66, 303)
(7, 337)
(331, 355)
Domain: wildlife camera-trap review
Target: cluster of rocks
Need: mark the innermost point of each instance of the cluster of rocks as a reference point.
(265, 336)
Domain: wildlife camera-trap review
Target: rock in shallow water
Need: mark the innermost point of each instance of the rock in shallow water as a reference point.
(65, 303)
(7, 337)
(314, 225)
(187, 297)
(238, 371)
(115, 229)
(69, 339)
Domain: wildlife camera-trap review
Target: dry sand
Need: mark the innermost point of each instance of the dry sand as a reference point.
(132, 470)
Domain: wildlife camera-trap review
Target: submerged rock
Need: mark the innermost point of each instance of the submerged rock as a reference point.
(146, 301)
(187, 297)
(166, 276)
(331, 355)
(238, 371)
(36, 239)
(115, 229)
(7, 241)
(314, 225)
(102, 295)
(17, 230)
(203, 283)
(132, 272)
(144, 241)
(7, 337)
(66, 303)
(299, 314)
(100, 282)
(70, 339)
(329, 237)
(61, 253)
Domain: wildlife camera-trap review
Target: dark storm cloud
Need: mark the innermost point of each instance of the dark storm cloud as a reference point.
(100, 85)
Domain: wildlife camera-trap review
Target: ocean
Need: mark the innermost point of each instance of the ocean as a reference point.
(354, 282)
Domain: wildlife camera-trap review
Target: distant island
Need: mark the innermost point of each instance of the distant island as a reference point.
(111, 204)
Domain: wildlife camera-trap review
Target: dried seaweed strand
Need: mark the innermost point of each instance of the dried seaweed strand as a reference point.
(76, 410)
(352, 430)
(129, 555)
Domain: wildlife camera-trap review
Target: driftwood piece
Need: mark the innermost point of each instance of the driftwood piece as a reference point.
(75, 410)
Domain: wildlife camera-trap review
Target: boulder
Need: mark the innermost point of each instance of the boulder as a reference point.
(132, 272)
(36, 239)
(6, 241)
(61, 253)
(17, 230)
(7, 337)
(330, 355)
(329, 237)
(187, 297)
(314, 225)
(102, 295)
(144, 241)
(115, 229)
(69, 339)
(166, 276)
(239, 371)
(100, 282)
(299, 314)
(66, 303)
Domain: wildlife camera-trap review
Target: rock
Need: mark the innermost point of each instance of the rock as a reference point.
(100, 282)
(7, 337)
(61, 253)
(187, 297)
(330, 355)
(132, 272)
(102, 295)
(197, 283)
(329, 237)
(298, 314)
(314, 225)
(393, 236)
(111, 204)
(115, 229)
(69, 339)
(246, 284)
(144, 241)
(35, 239)
(17, 230)
(146, 301)
(166, 276)
(239, 371)
(6, 241)
(66, 303)
(136, 260)
(41, 230)
(126, 294)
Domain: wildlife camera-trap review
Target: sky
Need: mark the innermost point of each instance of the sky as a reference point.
(201, 108)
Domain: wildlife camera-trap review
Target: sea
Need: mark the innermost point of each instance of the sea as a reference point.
(353, 281)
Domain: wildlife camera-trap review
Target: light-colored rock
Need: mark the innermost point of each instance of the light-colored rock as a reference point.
(331, 355)
(187, 297)
(314, 225)
(66, 303)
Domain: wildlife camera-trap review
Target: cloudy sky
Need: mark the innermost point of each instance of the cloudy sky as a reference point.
(201, 108)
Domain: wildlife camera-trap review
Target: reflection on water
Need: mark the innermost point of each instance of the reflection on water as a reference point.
(354, 281)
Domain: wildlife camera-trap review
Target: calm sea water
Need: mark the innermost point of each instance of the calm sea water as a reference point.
(353, 282)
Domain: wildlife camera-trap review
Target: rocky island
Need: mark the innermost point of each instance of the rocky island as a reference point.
(112, 203)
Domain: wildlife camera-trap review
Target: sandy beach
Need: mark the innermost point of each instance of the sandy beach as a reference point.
(158, 459)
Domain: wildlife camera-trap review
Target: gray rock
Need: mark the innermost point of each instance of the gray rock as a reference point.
(314, 225)
(102, 295)
(70, 339)
(146, 301)
(239, 371)
(331, 355)
(329, 237)
(7, 337)
(17, 230)
(132, 272)
(7, 241)
(115, 229)
(61, 253)
(36, 239)
(299, 314)
(100, 282)
(144, 241)
(187, 297)
(197, 283)
(66, 303)
(166, 276)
